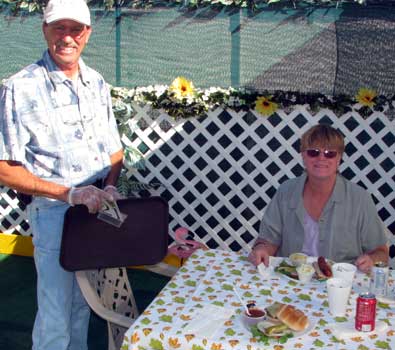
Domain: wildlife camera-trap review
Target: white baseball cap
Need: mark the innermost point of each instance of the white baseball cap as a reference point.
(76, 10)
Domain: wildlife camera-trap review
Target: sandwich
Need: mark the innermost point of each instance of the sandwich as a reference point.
(284, 317)
(322, 268)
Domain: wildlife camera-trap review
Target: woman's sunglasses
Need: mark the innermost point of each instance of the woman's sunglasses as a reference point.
(314, 153)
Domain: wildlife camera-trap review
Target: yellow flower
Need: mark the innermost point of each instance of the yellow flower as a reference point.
(135, 338)
(265, 106)
(366, 96)
(182, 88)
(174, 343)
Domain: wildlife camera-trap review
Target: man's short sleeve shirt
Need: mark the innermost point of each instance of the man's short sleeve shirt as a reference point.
(60, 131)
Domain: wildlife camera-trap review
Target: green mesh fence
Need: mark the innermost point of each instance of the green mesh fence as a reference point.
(329, 50)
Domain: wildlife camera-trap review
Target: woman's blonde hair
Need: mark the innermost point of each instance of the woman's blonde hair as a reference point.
(322, 135)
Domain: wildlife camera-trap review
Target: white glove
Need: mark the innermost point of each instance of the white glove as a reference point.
(114, 192)
(90, 196)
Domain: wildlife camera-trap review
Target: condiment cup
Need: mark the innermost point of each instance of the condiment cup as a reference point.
(298, 259)
(305, 273)
(257, 314)
(344, 270)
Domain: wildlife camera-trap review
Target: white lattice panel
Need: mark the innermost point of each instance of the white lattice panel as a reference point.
(219, 172)
(12, 214)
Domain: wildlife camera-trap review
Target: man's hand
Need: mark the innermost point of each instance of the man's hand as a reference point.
(90, 196)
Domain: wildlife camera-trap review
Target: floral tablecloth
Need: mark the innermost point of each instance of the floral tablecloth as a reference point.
(206, 281)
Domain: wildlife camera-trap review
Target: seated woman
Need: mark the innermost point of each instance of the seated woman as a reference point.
(321, 213)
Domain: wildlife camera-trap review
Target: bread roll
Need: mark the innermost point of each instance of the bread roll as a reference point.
(293, 318)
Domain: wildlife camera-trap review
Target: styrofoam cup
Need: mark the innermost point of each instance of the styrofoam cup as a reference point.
(338, 293)
(344, 270)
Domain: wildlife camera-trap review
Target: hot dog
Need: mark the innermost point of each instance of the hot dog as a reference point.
(322, 268)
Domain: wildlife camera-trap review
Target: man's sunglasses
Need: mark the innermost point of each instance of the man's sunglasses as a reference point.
(314, 153)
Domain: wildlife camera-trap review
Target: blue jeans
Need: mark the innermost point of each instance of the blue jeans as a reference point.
(62, 318)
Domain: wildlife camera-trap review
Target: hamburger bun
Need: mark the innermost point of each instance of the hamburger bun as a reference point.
(293, 318)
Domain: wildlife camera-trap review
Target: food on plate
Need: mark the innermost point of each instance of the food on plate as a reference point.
(322, 268)
(305, 272)
(283, 318)
(287, 269)
(298, 259)
(272, 310)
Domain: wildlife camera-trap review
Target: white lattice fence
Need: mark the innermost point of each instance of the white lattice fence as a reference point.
(219, 172)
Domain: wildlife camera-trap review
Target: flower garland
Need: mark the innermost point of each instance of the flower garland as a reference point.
(182, 100)
(23, 7)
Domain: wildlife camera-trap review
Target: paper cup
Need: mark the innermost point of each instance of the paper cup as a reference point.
(338, 293)
(344, 270)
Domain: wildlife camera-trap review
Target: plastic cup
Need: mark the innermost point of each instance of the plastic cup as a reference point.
(339, 291)
(344, 270)
(305, 273)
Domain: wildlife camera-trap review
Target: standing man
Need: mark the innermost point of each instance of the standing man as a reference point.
(59, 140)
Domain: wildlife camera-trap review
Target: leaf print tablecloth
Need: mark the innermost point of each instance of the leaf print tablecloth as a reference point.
(208, 277)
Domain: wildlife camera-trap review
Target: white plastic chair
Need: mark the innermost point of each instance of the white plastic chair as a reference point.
(108, 293)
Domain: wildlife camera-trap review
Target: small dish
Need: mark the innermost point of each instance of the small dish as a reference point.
(257, 315)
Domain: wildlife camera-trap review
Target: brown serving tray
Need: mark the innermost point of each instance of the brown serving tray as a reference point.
(89, 243)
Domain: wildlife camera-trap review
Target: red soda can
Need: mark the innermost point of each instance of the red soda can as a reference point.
(365, 312)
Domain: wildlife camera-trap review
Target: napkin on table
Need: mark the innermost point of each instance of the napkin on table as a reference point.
(266, 272)
(347, 330)
(208, 320)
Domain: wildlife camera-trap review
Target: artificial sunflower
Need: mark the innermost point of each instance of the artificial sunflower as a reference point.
(265, 106)
(366, 97)
(182, 88)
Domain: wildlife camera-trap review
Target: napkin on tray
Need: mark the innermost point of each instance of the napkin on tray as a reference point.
(208, 320)
(347, 330)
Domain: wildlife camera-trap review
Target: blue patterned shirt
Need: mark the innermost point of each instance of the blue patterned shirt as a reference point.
(61, 131)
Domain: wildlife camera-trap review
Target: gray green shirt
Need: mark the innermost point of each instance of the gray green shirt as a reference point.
(348, 227)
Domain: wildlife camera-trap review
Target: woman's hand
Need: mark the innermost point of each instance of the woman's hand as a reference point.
(261, 252)
(364, 263)
(258, 255)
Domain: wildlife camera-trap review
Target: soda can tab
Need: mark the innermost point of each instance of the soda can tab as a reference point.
(379, 279)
